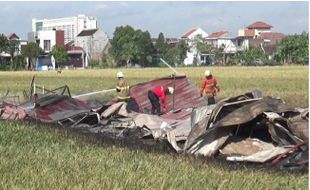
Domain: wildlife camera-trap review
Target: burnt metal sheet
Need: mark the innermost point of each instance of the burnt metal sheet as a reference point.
(50, 113)
(261, 156)
(252, 110)
(186, 95)
(245, 147)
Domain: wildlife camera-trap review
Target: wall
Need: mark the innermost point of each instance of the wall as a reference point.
(47, 35)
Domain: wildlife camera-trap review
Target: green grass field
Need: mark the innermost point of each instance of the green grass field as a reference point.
(33, 156)
(289, 83)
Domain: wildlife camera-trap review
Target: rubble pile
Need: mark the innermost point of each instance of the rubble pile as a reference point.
(245, 128)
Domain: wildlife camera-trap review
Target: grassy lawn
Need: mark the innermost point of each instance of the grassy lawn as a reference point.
(39, 157)
(48, 158)
(289, 83)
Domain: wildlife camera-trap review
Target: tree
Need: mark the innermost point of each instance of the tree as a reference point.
(252, 55)
(4, 45)
(32, 51)
(145, 47)
(176, 53)
(130, 45)
(93, 63)
(161, 46)
(60, 55)
(293, 49)
(107, 61)
(202, 47)
(124, 47)
(11, 49)
(18, 62)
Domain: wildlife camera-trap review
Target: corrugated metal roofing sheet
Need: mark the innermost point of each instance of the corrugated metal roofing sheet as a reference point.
(186, 96)
(65, 105)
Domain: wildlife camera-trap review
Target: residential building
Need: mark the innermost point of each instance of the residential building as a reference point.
(94, 42)
(255, 29)
(260, 35)
(172, 41)
(18, 43)
(229, 45)
(192, 55)
(192, 33)
(77, 56)
(272, 38)
(71, 26)
(47, 40)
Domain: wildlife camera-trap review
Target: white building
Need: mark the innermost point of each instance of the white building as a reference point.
(72, 26)
(47, 40)
(228, 44)
(192, 54)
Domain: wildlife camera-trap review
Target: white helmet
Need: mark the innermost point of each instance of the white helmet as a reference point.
(207, 73)
(171, 90)
(120, 74)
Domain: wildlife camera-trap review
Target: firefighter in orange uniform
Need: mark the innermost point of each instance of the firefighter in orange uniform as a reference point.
(122, 88)
(209, 85)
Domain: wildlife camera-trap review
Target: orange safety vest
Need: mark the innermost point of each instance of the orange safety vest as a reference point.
(209, 85)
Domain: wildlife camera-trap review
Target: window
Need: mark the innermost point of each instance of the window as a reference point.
(239, 42)
(47, 45)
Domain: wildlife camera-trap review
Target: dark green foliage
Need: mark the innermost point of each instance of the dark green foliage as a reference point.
(131, 46)
(293, 49)
(93, 63)
(173, 54)
(204, 48)
(18, 63)
(4, 46)
(4, 43)
(253, 56)
(32, 51)
(60, 55)
(107, 61)
(161, 45)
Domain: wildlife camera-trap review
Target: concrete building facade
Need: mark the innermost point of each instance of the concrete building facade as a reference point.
(94, 42)
(47, 40)
(71, 26)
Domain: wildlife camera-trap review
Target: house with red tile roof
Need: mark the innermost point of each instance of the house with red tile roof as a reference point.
(192, 55)
(18, 43)
(260, 35)
(216, 35)
(271, 37)
(259, 25)
(255, 29)
(229, 44)
(193, 32)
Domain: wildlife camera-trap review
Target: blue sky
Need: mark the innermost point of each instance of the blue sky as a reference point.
(171, 18)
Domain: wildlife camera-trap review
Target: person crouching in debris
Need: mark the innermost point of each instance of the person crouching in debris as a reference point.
(122, 88)
(210, 86)
(156, 94)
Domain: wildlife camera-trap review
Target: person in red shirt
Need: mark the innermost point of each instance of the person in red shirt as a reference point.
(159, 94)
(209, 86)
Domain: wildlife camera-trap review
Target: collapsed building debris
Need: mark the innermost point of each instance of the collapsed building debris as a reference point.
(248, 127)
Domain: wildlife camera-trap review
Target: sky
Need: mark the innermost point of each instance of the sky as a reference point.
(172, 18)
